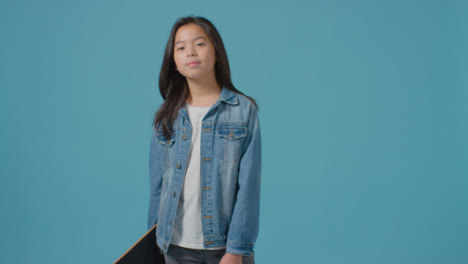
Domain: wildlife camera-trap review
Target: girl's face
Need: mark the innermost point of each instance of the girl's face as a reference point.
(194, 54)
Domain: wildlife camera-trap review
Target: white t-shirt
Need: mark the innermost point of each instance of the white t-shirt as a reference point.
(187, 229)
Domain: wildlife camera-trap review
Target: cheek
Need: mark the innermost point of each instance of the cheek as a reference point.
(213, 56)
(178, 61)
(210, 57)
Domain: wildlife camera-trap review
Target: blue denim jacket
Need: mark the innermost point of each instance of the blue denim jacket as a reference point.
(230, 174)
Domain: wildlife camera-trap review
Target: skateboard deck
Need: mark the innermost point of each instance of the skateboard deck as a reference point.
(144, 251)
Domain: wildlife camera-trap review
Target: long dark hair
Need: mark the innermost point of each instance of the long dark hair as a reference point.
(173, 85)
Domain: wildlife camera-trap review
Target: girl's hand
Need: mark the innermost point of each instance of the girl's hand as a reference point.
(229, 258)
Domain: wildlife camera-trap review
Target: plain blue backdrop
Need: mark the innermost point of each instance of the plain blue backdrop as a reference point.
(363, 111)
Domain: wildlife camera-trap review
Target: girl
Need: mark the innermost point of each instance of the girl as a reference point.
(205, 154)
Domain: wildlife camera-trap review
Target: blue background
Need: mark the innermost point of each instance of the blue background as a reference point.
(363, 111)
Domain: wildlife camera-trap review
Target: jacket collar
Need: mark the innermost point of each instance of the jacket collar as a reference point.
(226, 96)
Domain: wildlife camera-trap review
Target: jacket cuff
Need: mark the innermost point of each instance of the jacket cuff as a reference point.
(240, 248)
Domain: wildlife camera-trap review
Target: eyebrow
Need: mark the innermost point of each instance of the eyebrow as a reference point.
(199, 37)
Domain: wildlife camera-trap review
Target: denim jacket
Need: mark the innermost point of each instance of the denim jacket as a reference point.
(230, 174)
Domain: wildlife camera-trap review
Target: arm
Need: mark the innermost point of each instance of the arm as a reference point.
(155, 179)
(243, 228)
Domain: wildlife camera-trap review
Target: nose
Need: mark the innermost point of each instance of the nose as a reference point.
(191, 51)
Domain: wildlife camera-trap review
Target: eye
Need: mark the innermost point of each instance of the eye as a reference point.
(201, 44)
(180, 48)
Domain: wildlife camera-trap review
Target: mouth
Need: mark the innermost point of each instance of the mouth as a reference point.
(193, 63)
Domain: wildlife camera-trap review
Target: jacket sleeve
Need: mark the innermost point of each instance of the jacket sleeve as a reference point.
(155, 180)
(244, 225)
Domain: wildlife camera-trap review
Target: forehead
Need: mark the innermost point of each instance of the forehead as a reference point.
(188, 32)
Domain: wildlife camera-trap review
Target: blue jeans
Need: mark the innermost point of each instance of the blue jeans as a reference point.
(181, 255)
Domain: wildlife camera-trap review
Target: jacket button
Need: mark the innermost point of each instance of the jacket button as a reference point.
(184, 137)
(178, 165)
(173, 194)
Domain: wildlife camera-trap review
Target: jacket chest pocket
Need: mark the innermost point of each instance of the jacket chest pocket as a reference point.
(231, 137)
(168, 147)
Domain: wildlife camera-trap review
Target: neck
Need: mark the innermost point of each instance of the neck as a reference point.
(203, 92)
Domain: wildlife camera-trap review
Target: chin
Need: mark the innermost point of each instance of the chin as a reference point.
(194, 76)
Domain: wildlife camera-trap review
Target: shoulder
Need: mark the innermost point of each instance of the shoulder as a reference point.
(245, 103)
(247, 109)
(236, 107)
